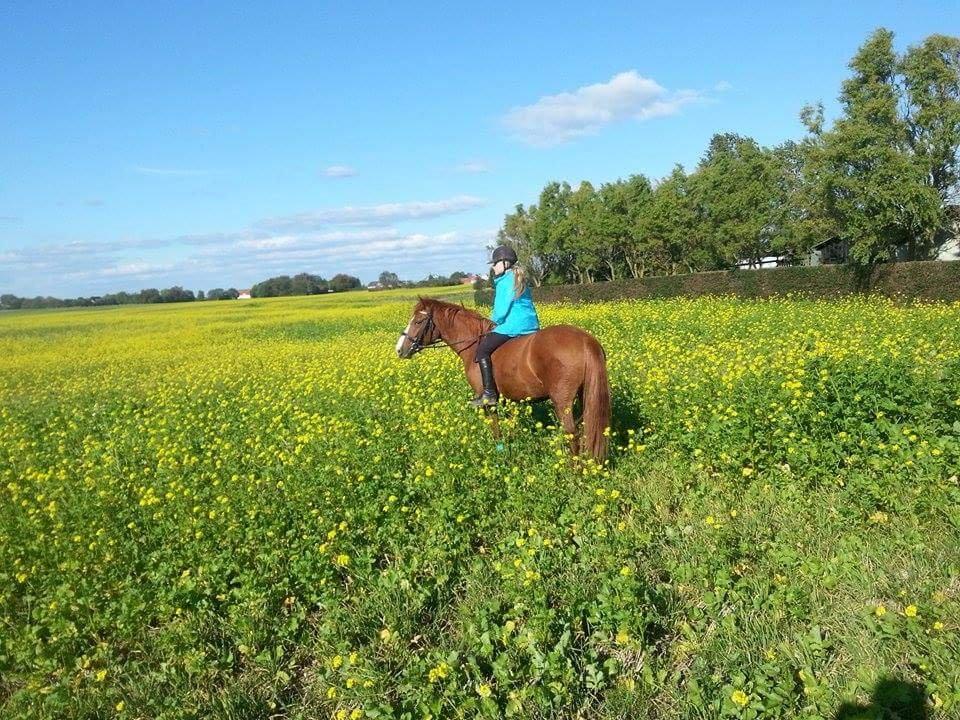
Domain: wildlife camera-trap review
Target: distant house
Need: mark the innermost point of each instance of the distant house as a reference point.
(836, 251)
(243, 295)
(375, 285)
(471, 279)
(950, 250)
(832, 251)
(764, 262)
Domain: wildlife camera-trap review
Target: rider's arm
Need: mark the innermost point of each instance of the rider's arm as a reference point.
(502, 300)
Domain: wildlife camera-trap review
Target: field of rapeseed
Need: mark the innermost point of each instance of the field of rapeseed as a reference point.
(254, 509)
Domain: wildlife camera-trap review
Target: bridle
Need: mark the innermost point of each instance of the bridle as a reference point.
(417, 344)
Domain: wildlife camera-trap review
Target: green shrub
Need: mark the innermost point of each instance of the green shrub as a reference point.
(914, 280)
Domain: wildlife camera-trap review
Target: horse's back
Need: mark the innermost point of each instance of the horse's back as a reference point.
(536, 363)
(548, 340)
(559, 338)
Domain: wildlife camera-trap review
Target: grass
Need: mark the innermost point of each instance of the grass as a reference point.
(253, 509)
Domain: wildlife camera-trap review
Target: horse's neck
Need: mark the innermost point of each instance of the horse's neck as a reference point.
(457, 332)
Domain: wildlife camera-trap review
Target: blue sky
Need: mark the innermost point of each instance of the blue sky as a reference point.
(216, 144)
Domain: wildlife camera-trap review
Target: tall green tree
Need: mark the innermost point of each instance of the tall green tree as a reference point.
(669, 223)
(739, 198)
(517, 232)
(10, 302)
(620, 203)
(582, 234)
(342, 281)
(931, 86)
(550, 230)
(801, 219)
(869, 181)
(307, 284)
(389, 279)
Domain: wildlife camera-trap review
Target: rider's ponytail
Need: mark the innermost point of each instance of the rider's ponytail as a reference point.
(519, 280)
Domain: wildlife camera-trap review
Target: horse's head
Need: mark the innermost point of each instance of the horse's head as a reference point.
(420, 332)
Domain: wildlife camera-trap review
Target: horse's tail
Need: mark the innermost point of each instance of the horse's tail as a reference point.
(596, 401)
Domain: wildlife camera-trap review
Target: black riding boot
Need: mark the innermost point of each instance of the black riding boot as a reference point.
(489, 395)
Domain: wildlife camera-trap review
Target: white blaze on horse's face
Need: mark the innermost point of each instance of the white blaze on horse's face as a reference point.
(405, 335)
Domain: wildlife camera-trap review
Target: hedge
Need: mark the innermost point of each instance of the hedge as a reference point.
(929, 280)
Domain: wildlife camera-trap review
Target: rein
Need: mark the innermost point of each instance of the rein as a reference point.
(417, 343)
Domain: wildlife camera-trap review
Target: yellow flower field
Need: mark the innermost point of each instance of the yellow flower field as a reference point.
(253, 509)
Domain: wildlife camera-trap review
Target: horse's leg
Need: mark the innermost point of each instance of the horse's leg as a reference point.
(563, 407)
(491, 413)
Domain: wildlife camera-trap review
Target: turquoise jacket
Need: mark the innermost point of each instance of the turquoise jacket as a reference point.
(512, 315)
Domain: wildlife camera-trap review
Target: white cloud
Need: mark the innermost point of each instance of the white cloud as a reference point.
(171, 172)
(351, 239)
(556, 119)
(315, 239)
(473, 167)
(416, 253)
(371, 214)
(135, 269)
(339, 171)
(722, 86)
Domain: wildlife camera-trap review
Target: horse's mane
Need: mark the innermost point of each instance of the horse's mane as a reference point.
(448, 311)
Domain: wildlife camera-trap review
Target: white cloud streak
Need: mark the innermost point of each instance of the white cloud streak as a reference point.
(339, 171)
(557, 119)
(169, 172)
(473, 167)
(347, 239)
(371, 214)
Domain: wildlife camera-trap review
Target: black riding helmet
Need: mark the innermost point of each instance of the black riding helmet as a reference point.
(504, 252)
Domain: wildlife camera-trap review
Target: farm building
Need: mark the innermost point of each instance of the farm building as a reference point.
(834, 250)
(950, 250)
(243, 295)
(767, 261)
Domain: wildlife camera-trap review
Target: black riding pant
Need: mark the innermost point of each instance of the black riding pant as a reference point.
(489, 343)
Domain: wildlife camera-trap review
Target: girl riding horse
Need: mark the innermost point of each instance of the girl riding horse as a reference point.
(513, 315)
(561, 363)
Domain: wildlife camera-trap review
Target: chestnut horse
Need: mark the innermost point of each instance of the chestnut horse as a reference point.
(561, 363)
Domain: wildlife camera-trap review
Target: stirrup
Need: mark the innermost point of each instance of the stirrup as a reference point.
(485, 399)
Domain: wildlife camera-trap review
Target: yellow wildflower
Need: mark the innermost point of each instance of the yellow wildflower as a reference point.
(439, 672)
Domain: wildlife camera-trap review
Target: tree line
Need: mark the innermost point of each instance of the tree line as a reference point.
(303, 284)
(883, 178)
(148, 295)
(389, 279)
(280, 286)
